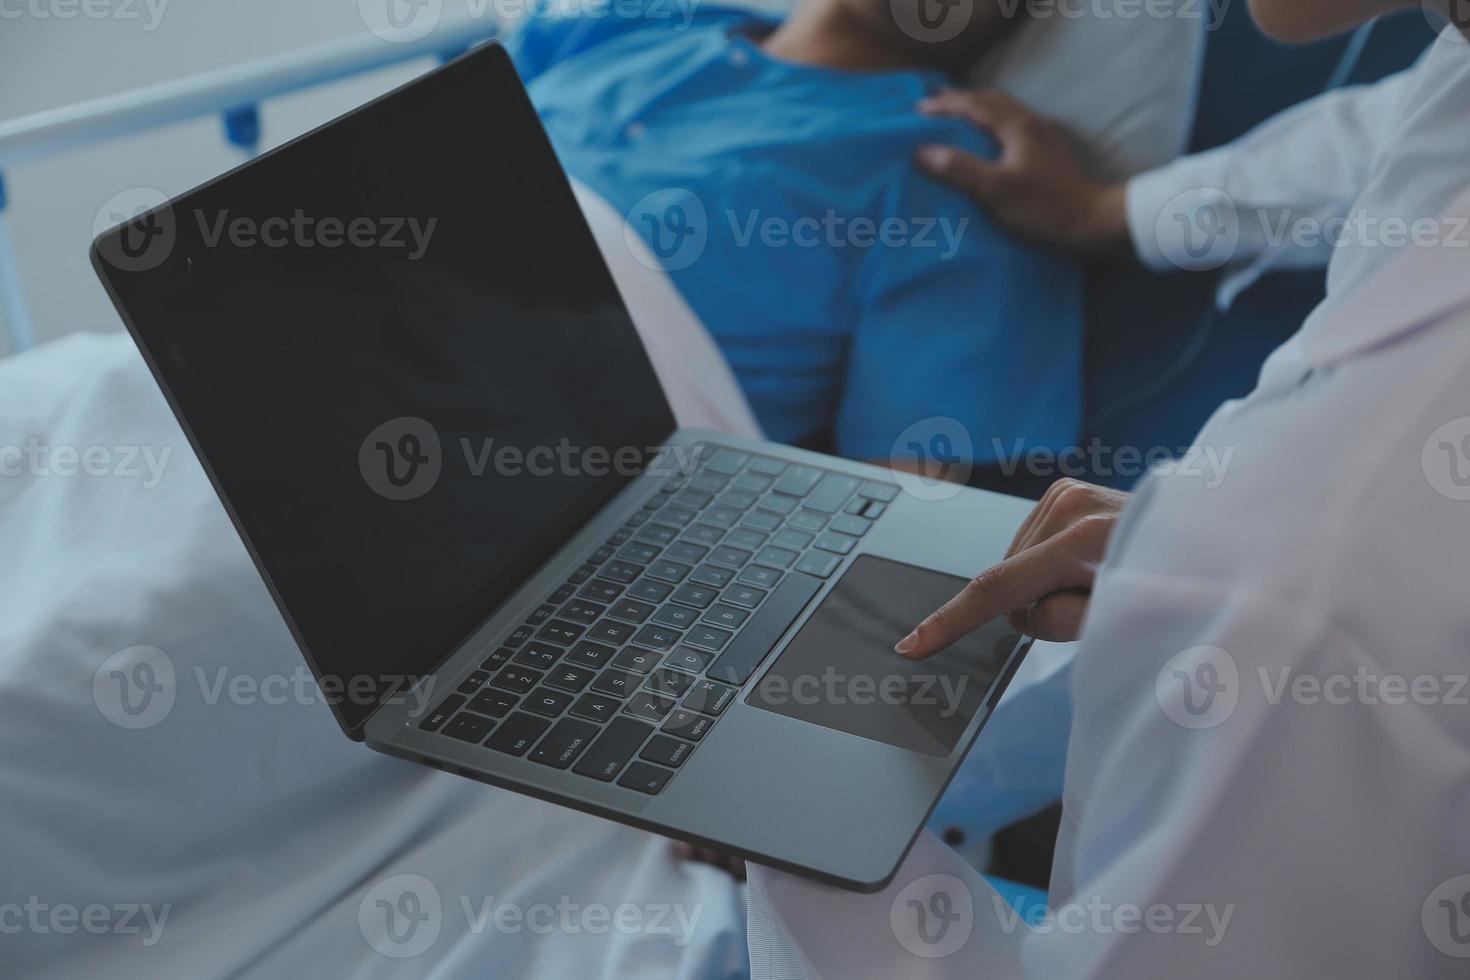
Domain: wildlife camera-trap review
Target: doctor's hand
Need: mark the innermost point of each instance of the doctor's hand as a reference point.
(1037, 188)
(1044, 583)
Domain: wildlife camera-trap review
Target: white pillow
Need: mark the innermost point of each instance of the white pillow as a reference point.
(1122, 75)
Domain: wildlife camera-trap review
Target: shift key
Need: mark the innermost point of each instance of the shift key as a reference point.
(612, 751)
(764, 629)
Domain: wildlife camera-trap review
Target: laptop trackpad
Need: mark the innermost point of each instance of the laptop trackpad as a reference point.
(840, 670)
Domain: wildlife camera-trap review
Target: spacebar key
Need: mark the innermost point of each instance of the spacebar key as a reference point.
(759, 636)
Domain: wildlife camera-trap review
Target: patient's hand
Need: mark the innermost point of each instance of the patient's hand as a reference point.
(1045, 581)
(1037, 188)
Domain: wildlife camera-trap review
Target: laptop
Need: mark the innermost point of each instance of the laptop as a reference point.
(406, 369)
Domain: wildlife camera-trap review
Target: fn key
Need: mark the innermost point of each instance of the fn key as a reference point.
(645, 778)
(617, 744)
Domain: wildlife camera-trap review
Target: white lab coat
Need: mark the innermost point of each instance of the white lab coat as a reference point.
(1267, 765)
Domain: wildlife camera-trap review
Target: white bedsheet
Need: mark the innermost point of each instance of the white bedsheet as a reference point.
(237, 831)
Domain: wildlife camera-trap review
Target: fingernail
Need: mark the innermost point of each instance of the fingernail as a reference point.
(933, 157)
(908, 643)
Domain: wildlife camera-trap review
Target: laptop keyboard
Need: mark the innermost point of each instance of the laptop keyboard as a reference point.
(623, 669)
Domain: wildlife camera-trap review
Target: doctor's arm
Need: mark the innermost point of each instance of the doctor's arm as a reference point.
(1307, 163)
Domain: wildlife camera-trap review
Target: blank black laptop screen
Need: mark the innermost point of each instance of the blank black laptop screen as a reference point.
(404, 362)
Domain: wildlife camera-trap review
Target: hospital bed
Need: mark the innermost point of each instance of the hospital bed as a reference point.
(220, 812)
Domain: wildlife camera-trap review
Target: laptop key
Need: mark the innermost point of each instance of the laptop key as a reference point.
(669, 571)
(762, 520)
(712, 575)
(687, 724)
(613, 749)
(496, 704)
(469, 727)
(723, 515)
(848, 524)
(819, 563)
(567, 739)
(690, 659)
(639, 551)
(518, 636)
(562, 594)
(436, 718)
(778, 503)
(516, 679)
(569, 677)
(658, 533)
(670, 683)
(589, 654)
(838, 544)
(733, 557)
(832, 493)
(727, 462)
(596, 707)
(807, 520)
(631, 610)
(881, 492)
(582, 574)
(541, 615)
(744, 537)
(649, 706)
(610, 631)
(693, 499)
(874, 510)
(677, 516)
(767, 466)
(708, 637)
(538, 655)
(650, 591)
(746, 595)
(765, 628)
(601, 590)
(705, 534)
(474, 682)
(620, 537)
(678, 617)
(497, 659)
(752, 483)
(741, 499)
(582, 611)
(617, 683)
(798, 481)
(686, 551)
(638, 519)
(709, 482)
(709, 697)
(646, 778)
(760, 576)
(601, 555)
(621, 571)
(728, 617)
(637, 660)
(775, 557)
(666, 751)
(791, 538)
(699, 596)
(560, 632)
(657, 637)
(517, 733)
(545, 701)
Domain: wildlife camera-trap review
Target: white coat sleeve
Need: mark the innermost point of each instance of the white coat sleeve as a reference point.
(1237, 206)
